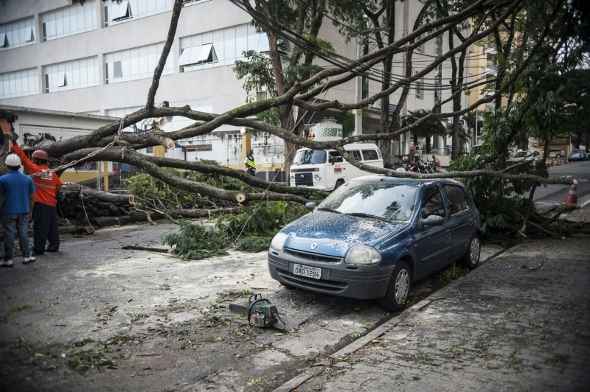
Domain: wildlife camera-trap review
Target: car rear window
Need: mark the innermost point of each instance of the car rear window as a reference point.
(370, 155)
(457, 199)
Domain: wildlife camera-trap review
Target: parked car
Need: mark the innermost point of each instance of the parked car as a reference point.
(327, 170)
(578, 155)
(521, 155)
(375, 235)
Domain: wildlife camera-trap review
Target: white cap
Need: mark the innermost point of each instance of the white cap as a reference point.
(13, 160)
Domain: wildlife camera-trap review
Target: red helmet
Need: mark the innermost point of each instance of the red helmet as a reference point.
(41, 155)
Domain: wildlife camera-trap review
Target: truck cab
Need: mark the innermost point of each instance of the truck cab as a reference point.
(327, 169)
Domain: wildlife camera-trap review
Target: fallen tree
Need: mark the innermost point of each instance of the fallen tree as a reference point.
(486, 18)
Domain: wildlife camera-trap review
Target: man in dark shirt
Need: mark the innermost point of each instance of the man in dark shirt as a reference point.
(17, 189)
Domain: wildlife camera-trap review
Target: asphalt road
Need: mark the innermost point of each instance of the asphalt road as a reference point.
(552, 194)
(96, 317)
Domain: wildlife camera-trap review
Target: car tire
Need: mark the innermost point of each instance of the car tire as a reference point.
(400, 283)
(472, 255)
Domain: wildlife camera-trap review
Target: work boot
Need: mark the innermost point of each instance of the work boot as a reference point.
(7, 263)
(28, 260)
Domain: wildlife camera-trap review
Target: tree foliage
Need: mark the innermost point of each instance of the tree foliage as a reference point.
(251, 231)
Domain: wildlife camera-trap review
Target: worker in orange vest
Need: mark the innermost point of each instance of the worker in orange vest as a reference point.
(47, 185)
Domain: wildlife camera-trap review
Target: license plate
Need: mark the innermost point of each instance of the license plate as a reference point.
(308, 272)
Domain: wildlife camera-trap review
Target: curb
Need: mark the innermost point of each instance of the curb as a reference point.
(316, 370)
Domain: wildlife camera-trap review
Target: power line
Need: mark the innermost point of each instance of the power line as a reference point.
(338, 60)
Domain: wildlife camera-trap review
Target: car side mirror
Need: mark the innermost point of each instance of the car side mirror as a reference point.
(433, 220)
(310, 205)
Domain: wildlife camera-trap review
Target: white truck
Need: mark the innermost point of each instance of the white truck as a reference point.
(327, 170)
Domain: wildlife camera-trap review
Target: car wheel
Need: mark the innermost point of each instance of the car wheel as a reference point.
(471, 258)
(399, 288)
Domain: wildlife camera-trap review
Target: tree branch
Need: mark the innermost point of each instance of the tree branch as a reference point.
(138, 160)
(117, 152)
(160, 67)
(454, 174)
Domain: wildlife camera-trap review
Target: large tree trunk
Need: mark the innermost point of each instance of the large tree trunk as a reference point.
(285, 115)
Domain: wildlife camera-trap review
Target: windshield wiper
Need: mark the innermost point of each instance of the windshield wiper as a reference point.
(364, 215)
(328, 209)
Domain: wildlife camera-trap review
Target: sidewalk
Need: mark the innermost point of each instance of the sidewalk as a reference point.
(518, 323)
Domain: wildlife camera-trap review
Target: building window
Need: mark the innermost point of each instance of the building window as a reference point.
(18, 33)
(69, 20)
(19, 83)
(197, 55)
(118, 11)
(221, 47)
(70, 75)
(132, 64)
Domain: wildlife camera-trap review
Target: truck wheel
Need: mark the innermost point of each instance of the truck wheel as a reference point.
(399, 288)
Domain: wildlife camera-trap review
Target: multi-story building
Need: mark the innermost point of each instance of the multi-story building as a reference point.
(98, 58)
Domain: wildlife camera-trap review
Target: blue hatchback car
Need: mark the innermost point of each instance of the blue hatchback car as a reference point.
(374, 236)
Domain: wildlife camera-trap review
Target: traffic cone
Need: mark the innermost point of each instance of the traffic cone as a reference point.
(571, 200)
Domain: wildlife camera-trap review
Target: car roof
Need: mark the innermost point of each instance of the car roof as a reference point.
(406, 181)
(351, 146)
(360, 146)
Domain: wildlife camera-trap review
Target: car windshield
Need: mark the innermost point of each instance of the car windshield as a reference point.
(381, 200)
(310, 157)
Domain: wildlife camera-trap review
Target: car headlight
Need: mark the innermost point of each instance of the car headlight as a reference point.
(317, 177)
(362, 254)
(278, 241)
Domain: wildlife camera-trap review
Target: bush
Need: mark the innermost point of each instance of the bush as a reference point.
(263, 219)
(254, 244)
(194, 242)
(253, 230)
(502, 203)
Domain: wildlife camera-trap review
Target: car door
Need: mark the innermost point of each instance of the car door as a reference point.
(460, 222)
(432, 243)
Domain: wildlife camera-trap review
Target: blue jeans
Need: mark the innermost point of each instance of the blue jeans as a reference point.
(13, 225)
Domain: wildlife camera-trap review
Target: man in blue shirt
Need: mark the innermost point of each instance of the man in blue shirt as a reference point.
(18, 189)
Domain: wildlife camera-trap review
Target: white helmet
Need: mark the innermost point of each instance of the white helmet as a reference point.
(12, 160)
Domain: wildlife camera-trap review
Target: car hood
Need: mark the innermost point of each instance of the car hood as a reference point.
(332, 234)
